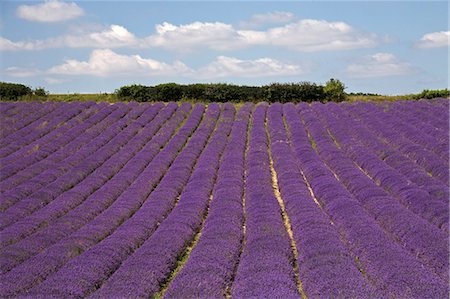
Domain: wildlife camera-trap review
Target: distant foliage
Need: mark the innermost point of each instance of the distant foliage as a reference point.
(335, 91)
(365, 94)
(431, 94)
(40, 92)
(135, 92)
(168, 91)
(13, 91)
(221, 92)
(294, 92)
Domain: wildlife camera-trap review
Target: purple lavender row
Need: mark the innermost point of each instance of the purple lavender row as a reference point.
(12, 114)
(209, 271)
(327, 268)
(9, 109)
(71, 145)
(32, 121)
(408, 194)
(81, 144)
(391, 157)
(385, 264)
(428, 137)
(424, 241)
(36, 150)
(7, 113)
(266, 263)
(53, 136)
(108, 123)
(416, 151)
(134, 231)
(40, 129)
(28, 115)
(130, 162)
(76, 174)
(434, 125)
(413, 133)
(142, 273)
(46, 130)
(410, 131)
(429, 124)
(36, 269)
(432, 112)
(112, 162)
(430, 161)
(13, 109)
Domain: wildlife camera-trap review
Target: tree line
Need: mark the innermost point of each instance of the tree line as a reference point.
(16, 91)
(333, 90)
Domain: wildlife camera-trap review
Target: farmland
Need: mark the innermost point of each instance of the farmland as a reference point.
(185, 200)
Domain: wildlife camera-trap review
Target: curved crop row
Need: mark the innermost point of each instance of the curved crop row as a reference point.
(176, 200)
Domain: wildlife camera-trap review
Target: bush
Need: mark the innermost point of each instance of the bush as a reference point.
(13, 91)
(431, 94)
(334, 91)
(294, 92)
(194, 92)
(134, 92)
(168, 92)
(40, 92)
(222, 92)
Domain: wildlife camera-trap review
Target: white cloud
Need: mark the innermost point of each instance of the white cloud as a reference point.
(105, 63)
(50, 11)
(379, 65)
(54, 81)
(303, 35)
(277, 17)
(319, 35)
(434, 40)
(20, 72)
(112, 37)
(224, 66)
(216, 36)
(8, 45)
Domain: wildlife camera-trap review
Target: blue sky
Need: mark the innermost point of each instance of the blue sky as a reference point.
(97, 46)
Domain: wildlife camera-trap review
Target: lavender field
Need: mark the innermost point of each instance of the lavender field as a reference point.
(155, 200)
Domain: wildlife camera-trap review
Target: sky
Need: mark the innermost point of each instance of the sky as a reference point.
(385, 47)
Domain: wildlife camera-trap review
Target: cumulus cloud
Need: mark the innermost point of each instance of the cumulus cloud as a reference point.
(216, 36)
(277, 17)
(106, 63)
(319, 35)
(224, 66)
(379, 65)
(20, 72)
(54, 81)
(30, 45)
(303, 35)
(50, 11)
(434, 40)
(112, 37)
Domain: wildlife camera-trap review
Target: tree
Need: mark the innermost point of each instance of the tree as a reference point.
(13, 91)
(41, 92)
(334, 90)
